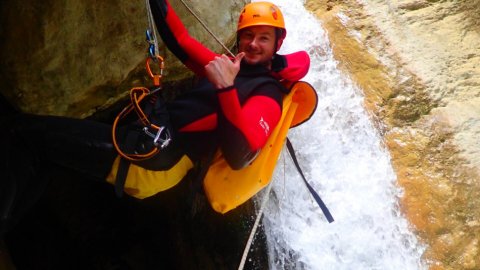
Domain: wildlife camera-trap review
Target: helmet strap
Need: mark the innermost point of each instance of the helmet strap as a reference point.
(279, 36)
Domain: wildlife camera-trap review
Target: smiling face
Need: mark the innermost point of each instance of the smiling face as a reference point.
(258, 44)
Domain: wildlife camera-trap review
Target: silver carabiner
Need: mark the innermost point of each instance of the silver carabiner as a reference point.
(158, 140)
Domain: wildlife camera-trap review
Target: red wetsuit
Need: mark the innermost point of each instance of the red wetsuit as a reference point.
(239, 120)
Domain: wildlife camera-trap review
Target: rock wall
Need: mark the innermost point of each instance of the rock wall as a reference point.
(76, 57)
(418, 63)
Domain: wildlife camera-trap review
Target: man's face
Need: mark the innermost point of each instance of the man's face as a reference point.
(258, 43)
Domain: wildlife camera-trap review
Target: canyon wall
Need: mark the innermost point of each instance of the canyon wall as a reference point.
(75, 58)
(418, 65)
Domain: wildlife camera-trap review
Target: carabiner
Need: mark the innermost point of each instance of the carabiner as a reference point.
(151, 52)
(156, 77)
(148, 33)
(159, 140)
(151, 46)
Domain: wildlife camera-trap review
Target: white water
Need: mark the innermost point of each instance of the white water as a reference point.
(342, 155)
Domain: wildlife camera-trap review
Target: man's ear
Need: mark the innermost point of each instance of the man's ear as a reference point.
(279, 43)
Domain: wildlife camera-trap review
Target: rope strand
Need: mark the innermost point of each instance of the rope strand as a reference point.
(206, 28)
(151, 26)
(255, 226)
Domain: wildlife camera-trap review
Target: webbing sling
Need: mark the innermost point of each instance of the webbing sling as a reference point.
(315, 195)
(130, 143)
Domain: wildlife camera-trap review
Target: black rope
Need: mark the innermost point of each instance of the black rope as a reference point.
(315, 195)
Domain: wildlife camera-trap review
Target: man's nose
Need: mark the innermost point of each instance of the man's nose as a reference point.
(254, 43)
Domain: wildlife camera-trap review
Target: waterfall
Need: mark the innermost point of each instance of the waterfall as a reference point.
(343, 157)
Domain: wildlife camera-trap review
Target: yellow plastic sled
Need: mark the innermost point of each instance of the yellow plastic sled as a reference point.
(226, 188)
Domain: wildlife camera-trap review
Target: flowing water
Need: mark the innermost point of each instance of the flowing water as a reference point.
(343, 157)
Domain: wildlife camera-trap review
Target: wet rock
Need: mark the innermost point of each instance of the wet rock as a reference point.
(75, 58)
(418, 64)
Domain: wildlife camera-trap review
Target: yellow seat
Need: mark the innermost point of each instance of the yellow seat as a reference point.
(226, 188)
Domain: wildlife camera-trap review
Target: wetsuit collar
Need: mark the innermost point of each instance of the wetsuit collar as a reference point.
(253, 70)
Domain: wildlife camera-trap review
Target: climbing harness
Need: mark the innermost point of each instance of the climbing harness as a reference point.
(208, 29)
(160, 135)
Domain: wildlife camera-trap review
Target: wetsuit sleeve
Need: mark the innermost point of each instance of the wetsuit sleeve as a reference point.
(176, 37)
(245, 129)
(291, 67)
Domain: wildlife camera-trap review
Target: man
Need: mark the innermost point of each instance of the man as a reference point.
(234, 108)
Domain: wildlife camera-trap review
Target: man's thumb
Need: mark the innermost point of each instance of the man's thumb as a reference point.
(239, 57)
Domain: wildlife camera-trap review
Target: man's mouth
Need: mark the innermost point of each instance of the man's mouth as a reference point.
(253, 53)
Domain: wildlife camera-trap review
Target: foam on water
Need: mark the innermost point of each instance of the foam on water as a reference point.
(342, 155)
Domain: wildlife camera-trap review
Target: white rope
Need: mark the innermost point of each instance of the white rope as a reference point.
(151, 26)
(208, 30)
(255, 226)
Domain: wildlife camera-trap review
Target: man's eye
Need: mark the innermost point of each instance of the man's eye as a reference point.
(247, 35)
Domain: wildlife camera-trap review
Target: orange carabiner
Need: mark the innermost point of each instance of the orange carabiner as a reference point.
(155, 77)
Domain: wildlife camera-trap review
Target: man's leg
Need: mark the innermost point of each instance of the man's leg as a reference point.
(30, 144)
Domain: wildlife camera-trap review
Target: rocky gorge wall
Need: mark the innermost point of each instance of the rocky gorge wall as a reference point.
(418, 65)
(75, 58)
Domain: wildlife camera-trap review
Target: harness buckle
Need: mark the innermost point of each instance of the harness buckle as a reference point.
(162, 139)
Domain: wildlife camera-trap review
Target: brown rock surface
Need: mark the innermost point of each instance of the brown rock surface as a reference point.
(418, 63)
(73, 58)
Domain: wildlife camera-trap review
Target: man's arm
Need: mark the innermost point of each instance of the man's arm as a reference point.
(176, 37)
(244, 130)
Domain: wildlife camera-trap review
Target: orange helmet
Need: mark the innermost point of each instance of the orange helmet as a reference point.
(261, 13)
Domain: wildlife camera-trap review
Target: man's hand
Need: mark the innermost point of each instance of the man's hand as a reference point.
(221, 71)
